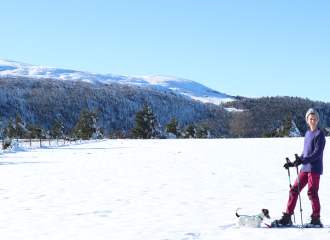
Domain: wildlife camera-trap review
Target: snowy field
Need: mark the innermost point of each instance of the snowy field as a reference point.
(153, 189)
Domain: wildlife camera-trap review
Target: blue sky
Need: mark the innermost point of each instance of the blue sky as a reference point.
(256, 48)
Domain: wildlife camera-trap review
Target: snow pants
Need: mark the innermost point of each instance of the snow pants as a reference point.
(313, 180)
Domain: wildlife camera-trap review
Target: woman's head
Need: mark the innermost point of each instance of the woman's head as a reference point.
(312, 118)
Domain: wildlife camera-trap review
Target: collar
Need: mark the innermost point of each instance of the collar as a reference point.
(260, 217)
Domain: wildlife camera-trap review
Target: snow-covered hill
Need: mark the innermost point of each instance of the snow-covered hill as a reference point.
(177, 86)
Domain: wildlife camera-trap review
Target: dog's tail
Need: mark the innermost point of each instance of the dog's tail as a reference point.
(236, 213)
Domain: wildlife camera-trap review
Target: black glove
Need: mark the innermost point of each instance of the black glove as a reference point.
(297, 162)
(288, 165)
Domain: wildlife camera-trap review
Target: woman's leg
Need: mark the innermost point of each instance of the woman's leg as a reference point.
(293, 194)
(313, 188)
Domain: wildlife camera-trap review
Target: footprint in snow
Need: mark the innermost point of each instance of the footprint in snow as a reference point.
(192, 236)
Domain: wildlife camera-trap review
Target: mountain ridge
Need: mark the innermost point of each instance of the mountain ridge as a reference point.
(176, 86)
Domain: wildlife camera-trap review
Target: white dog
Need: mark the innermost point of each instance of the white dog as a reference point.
(254, 220)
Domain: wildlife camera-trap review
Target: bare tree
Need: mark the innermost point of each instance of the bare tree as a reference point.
(241, 124)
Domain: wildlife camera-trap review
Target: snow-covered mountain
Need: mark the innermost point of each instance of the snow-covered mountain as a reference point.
(177, 86)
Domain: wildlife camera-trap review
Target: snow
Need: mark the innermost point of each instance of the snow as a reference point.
(177, 86)
(234, 110)
(327, 129)
(153, 189)
(294, 131)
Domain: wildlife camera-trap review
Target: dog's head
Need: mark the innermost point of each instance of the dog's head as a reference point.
(266, 213)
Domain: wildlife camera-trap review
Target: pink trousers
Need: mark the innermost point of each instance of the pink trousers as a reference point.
(313, 180)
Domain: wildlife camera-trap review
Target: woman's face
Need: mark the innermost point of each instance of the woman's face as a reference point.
(312, 121)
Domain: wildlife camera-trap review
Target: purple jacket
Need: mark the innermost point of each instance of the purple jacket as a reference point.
(312, 157)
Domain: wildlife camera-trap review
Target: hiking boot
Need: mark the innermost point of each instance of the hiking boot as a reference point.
(285, 221)
(314, 223)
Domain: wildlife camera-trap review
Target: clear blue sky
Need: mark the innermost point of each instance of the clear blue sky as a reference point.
(244, 47)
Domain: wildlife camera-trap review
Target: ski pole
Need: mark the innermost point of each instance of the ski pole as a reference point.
(299, 193)
(288, 161)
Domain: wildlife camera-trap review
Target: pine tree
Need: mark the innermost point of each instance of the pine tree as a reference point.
(9, 131)
(206, 132)
(86, 126)
(287, 126)
(289, 129)
(199, 131)
(146, 123)
(19, 126)
(202, 131)
(57, 130)
(190, 131)
(174, 127)
(33, 131)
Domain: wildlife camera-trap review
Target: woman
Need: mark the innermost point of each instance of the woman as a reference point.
(311, 170)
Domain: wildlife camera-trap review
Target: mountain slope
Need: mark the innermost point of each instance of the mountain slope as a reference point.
(42, 101)
(176, 86)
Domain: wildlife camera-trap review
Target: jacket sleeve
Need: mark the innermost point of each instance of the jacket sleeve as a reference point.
(318, 150)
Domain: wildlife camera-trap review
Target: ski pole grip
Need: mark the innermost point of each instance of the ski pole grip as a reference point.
(287, 160)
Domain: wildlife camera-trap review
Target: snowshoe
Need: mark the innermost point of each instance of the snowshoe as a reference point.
(285, 221)
(314, 223)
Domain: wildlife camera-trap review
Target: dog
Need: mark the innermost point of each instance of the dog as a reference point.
(254, 220)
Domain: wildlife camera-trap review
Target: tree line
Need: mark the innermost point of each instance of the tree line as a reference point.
(147, 126)
(86, 128)
(273, 116)
(43, 103)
